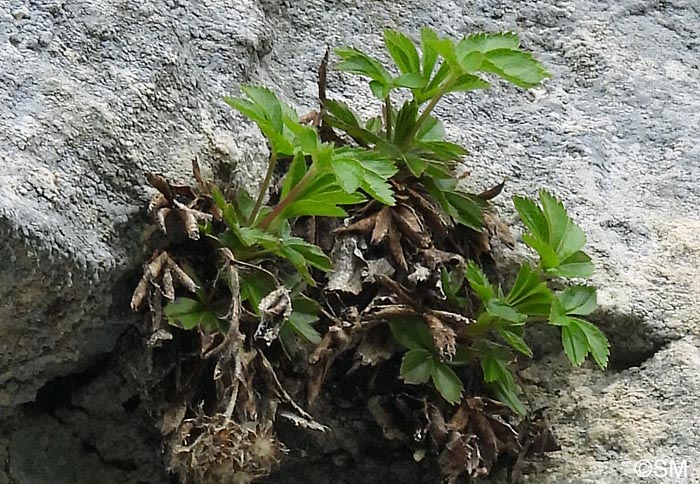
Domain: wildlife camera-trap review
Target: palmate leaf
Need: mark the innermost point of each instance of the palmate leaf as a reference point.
(322, 197)
(269, 113)
(515, 341)
(365, 169)
(556, 238)
(403, 51)
(579, 337)
(529, 295)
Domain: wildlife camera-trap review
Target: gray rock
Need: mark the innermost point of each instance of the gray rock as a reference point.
(116, 89)
(111, 90)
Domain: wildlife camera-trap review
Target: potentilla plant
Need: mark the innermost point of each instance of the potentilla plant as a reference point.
(388, 184)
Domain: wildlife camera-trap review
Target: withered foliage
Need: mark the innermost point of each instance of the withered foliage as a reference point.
(225, 385)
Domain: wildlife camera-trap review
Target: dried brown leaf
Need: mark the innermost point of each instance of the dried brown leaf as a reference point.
(167, 285)
(362, 226)
(158, 202)
(161, 184)
(492, 192)
(381, 226)
(140, 294)
(190, 222)
(411, 226)
(182, 277)
(393, 241)
(444, 337)
(161, 218)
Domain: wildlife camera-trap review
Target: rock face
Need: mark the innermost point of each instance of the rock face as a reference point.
(92, 95)
(95, 93)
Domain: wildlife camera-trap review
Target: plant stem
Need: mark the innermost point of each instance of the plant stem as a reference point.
(291, 196)
(263, 188)
(387, 117)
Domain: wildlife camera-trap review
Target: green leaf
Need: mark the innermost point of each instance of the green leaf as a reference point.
(296, 171)
(411, 81)
(468, 82)
(190, 313)
(555, 237)
(367, 169)
(405, 122)
(269, 113)
(427, 35)
(465, 210)
(431, 130)
(515, 66)
(415, 164)
(487, 42)
(380, 89)
(318, 208)
(515, 341)
(445, 47)
(479, 282)
(299, 262)
(508, 394)
(532, 217)
(452, 283)
(578, 300)
(495, 369)
(301, 324)
(348, 172)
(313, 254)
(441, 150)
(341, 111)
(308, 139)
(447, 382)
(255, 285)
(357, 62)
(597, 342)
(378, 188)
(322, 197)
(578, 265)
(374, 125)
(417, 366)
(500, 310)
(412, 333)
(529, 295)
(403, 51)
(560, 227)
(575, 343)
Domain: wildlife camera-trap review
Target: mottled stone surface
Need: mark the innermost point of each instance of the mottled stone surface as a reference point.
(95, 93)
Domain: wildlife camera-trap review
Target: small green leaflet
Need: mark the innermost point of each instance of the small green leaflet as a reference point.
(301, 324)
(412, 333)
(500, 380)
(420, 365)
(416, 366)
(190, 313)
